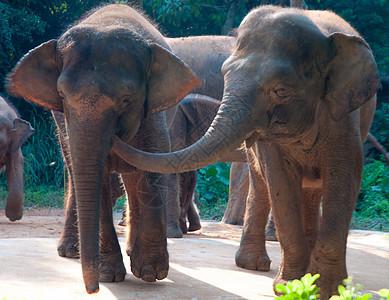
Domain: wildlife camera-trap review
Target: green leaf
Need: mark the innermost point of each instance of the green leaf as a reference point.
(280, 288)
(384, 293)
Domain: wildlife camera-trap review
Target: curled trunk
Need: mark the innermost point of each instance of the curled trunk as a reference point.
(228, 130)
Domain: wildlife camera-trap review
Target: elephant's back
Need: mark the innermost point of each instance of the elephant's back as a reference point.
(205, 55)
(329, 22)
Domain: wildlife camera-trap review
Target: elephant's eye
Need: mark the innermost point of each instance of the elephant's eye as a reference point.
(282, 92)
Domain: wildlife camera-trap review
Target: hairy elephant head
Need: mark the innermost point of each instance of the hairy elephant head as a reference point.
(289, 69)
(105, 77)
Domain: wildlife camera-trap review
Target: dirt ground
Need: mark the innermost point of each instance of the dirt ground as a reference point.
(201, 264)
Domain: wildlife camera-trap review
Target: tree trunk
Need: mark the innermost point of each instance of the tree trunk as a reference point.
(298, 4)
(378, 146)
(229, 23)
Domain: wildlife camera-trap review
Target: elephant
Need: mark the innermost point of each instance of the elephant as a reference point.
(238, 191)
(205, 56)
(237, 196)
(13, 133)
(111, 74)
(299, 95)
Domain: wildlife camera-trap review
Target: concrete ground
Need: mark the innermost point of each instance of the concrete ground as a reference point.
(201, 264)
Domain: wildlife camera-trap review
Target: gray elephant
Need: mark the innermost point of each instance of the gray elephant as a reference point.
(112, 73)
(205, 55)
(13, 133)
(300, 92)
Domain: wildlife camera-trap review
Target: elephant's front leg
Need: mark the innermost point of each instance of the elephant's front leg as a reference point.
(284, 181)
(14, 174)
(147, 245)
(68, 245)
(111, 265)
(341, 184)
(252, 250)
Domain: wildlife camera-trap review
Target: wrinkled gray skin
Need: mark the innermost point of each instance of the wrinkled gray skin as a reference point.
(68, 245)
(193, 117)
(300, 91)
(13, 133)
(205, 55)
(111, 74)
(237, 197)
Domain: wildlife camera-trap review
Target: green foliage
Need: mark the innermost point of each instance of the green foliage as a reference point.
(370, 18)
(43, 162)
(350, 291)
(384, 293)
(299, 289)
(213, 187)
(120, 203)
(37, 196)
(373, 199)
(305, 289)
(18, 31)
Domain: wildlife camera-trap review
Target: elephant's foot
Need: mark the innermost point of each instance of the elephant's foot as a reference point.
(123, 220)
(111, 268)
(183, 226)
(14, 213)
(249, 257)
(291, 272)
(68, 246)
(149, 263)
(193, 226)
(173, 231)
(331, 276)
(271, 234)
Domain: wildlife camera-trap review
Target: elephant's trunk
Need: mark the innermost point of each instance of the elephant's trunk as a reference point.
(228, 130)
(89, 141)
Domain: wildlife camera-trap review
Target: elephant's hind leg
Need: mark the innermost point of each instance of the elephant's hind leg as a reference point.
(68, 245)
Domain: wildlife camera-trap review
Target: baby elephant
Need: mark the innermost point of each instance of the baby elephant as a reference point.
(13, 133)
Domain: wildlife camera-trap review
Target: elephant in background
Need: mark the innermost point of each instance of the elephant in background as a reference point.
(205, 55)
(237, 197)
(13, 133)
(111, 74)
(300, 92)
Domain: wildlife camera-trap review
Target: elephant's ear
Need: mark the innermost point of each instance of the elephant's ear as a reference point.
(35, 76)
(352, 76)
(170, 80)
(21, 131)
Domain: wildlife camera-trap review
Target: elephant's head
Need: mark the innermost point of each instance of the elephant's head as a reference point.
(289, 69)
(12, 135)
(105, 79)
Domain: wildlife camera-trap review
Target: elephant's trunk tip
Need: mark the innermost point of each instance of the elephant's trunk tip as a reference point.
(92, 289)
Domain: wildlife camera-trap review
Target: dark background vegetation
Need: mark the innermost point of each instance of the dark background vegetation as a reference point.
(24, 24)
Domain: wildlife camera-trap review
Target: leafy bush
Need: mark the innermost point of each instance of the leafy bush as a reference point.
(299, 289)
(43, 162)
(373, 199)
(305, 289)
(213, 188)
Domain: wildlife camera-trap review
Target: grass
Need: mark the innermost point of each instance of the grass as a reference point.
(39, 196)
